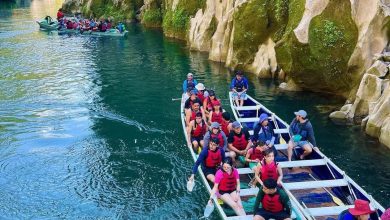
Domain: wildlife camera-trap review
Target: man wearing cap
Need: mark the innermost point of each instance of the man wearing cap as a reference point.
(275, 203)
(190, 83)
(264, 132)
(210, 158)
(239, 139)
(361, 211)
(302, 135)
(239, 86)
(202, 94)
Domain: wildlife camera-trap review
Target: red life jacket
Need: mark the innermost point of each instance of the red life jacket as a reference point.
(60, 15)
(219, 136)
(216, 117)
(269, 171)
(209, 104)
(272, 203)
(201, 96)
(193, 115)
(228, 182)
(200, 130)
(224, 127)
(214, 158)
(240, 142)
(256, 154)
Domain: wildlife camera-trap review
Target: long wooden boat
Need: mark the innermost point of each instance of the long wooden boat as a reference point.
(109, 33)
(313, 184)
(248, 196)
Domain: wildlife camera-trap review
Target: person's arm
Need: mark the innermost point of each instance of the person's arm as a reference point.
(291, 127)
(285, 201)
(210, 117)
(189, 129)
(272, 142)
(201, 158)
(188, 116)
(256, 131)
(217, 180)
(248, 138)
(206, 139)
(225, 141)
(248, 154)
(259, 198)
(258, 173)
(280, 177)
(232, 84)
(237, 176)
(185, 86)
(246, 85)
(203, 114)
(310, 135)
(204, 106)
(223, 154)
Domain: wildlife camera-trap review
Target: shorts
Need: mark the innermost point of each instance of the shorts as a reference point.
(242, 96)
(221, 192)
(207, 171)
(272, 215)
(197, 139)
(302, 143)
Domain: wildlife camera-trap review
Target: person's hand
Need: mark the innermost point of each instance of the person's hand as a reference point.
(257, 160)
(316, 148)
(279, 182)
(242, 152)
(191, 177)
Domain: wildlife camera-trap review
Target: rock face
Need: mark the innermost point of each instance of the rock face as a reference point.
(317, 45)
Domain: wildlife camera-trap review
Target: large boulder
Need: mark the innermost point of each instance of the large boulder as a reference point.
(379, 68)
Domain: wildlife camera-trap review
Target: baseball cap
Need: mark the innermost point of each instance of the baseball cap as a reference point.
(301, 113)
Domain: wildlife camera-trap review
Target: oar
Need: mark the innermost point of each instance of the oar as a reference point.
(176, 99)
(304, 205)
(190, 184)
(209, 209)
(334, 198)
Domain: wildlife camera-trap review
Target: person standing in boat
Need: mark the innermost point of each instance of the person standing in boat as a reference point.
(227, 184)
(302, 135)
(268, 169)
(275, 203)
(196, 131)
(361, 211)
(239, 140)
(239, 86)
(190, 83)
(60, 15)
(210, 158)
(216, 114)
(264, 132)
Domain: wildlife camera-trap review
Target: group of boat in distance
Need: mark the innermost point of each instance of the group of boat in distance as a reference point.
(316, 187)
(79, 25)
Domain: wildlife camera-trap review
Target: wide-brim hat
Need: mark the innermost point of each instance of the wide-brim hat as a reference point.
(200, 86)
(362, 207)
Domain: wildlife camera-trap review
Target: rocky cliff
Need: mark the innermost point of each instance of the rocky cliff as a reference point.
(317, 45)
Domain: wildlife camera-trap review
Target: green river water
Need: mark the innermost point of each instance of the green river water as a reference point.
(88, 128)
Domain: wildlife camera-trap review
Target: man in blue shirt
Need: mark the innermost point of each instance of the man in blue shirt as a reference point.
(302, 135)
(239, 86)
(190, 83)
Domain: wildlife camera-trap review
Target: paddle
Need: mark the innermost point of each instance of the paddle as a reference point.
(304, 205)
(190, 184)
(334, 198)
(176, 99)
(209, 209)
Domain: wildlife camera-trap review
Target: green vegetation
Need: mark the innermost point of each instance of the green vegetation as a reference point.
(123, 10)
(152, 18)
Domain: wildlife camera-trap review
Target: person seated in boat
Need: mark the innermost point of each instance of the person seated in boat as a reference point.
(60, 14)
(69, 25)
(196, 131)
(302, 135)
(360, 211)
(193, 99)
(275, 204)
(216, 132)
(49, 20)
(75, 25)
(120, 27)
(226, 125)
(104, 26)
(267, 169)
(109, 25)
(255, 153)
(227, 185)
(201, 92)
(264, 132)
(239, 86)
(216, 114)
(92, 25)
(190, 83)
(208, 102)
(191, 113)
(210, 158)
(239, 140)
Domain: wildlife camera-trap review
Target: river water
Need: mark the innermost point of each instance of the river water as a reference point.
(88, 128)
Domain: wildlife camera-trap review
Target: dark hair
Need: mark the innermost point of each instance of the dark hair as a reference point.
(270, 183)
(226, 116)
(215, 140)
(239, 72)
(268, 151)
(260, 143)
(198, 114)
(228, 161)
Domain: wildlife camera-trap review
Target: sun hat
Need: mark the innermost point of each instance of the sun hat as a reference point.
(263, 117)
(200, 86)
(301, 113)
(190, 74)
(236, 124)
(362, 207)
(214, 125)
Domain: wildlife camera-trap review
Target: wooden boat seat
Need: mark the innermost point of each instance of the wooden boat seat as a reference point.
(250, 217)
(281, 146)
(244, 108)
(315, 184)
(281, 131)
(249, 192)
(246, 120)
(327, 211)
(303, 163)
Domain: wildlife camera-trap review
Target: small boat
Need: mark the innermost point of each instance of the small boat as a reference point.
(110, 33)
(317, 188)
(48, 24)
(248, 196)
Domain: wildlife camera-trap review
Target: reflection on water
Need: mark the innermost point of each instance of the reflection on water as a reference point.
(88, 128)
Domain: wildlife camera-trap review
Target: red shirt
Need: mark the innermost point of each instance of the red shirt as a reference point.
(60, 15)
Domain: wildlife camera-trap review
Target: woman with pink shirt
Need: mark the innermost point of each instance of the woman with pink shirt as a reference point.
(227, 183)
